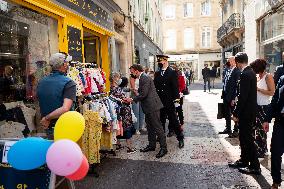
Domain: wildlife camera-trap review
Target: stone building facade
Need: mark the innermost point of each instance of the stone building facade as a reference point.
(190, 28)
(231, 34)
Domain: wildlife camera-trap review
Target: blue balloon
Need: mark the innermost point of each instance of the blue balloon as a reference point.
(28, 153)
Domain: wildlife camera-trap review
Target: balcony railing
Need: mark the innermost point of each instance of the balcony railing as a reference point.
(235, 21)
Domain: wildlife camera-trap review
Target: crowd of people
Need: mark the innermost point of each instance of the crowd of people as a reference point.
(251, 100)
(147, 99)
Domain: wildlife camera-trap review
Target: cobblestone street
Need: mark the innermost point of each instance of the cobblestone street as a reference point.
(201, 164)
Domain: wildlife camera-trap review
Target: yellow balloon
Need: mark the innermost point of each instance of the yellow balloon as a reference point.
(70, 125)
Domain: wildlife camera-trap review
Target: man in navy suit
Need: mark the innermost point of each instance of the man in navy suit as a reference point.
(229, 93)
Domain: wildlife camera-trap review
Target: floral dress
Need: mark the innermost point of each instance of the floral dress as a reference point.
(124, 112)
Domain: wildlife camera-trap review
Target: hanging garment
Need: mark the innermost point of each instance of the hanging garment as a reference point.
(90, 142)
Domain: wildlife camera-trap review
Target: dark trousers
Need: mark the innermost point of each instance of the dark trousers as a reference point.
(228, 113)
(207, 80)
(179, 111)
(155, 129)
(170, 113)
(248, 148)
(277, 149)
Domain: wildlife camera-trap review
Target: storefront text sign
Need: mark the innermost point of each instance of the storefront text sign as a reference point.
(75, 43)
(90, 10)
(7, 146)
(11, 178)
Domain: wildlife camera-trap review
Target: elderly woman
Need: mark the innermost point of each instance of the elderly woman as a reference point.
(118, 86)
(265, 90)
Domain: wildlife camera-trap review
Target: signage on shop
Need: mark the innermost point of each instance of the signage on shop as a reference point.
(11, 26)
(39, 178)
(75, 43)
(91, 10)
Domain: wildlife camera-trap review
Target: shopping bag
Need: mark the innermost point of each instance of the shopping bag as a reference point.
(221, 113)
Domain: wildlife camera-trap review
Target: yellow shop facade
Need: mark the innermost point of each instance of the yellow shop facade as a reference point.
(32, 30)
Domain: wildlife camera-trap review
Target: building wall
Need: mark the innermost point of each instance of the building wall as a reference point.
(251, 43)
(232, 6)
(147, 31)
(197, 22)
(122, 45)
(197, 55)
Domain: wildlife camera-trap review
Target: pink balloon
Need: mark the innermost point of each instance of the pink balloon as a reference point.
(81, 172)
(64, 157)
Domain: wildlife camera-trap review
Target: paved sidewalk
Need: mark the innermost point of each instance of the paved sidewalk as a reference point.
(201, 164)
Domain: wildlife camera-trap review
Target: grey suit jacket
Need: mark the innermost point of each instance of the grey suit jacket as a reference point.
(150, 101)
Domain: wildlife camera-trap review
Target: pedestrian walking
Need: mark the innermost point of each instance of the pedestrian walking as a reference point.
(229, 94)
(213, 75)
(151, 105)
(265, 90)
(166, 83)
(245, 115)
(206, 77)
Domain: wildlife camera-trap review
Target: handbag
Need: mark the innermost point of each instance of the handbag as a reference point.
(221, 113)
(185, 91)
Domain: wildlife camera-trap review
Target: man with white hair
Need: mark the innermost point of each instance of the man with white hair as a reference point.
(56, 92)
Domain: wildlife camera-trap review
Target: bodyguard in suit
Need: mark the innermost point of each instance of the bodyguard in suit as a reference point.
(166, 82)
(151, 105)
(277, 142)
(229, 93)
(245, 115)
(279, 71)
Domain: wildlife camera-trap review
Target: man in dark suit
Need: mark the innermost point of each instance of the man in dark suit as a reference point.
(206, 77)
(277, 142)
(279, 71)
(151, 105)
(229, 93)
(166, 83)
(245, 115)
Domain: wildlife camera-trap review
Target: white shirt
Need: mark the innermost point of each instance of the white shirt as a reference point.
(262, 99)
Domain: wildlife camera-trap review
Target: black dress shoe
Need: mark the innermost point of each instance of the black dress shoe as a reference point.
(250, 171)
(147, 149)
(234, 135)
(237, 164)
(226, 131)
(181, 143)
(162, 153)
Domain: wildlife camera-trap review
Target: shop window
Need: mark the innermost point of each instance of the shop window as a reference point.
(272, 26)
(272, 53)
(27, 38)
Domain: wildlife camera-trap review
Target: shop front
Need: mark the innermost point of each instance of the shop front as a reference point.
(33, 30)
(30, 32)
(271, 34)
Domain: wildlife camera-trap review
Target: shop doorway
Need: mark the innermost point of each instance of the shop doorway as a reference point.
(92, 48)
